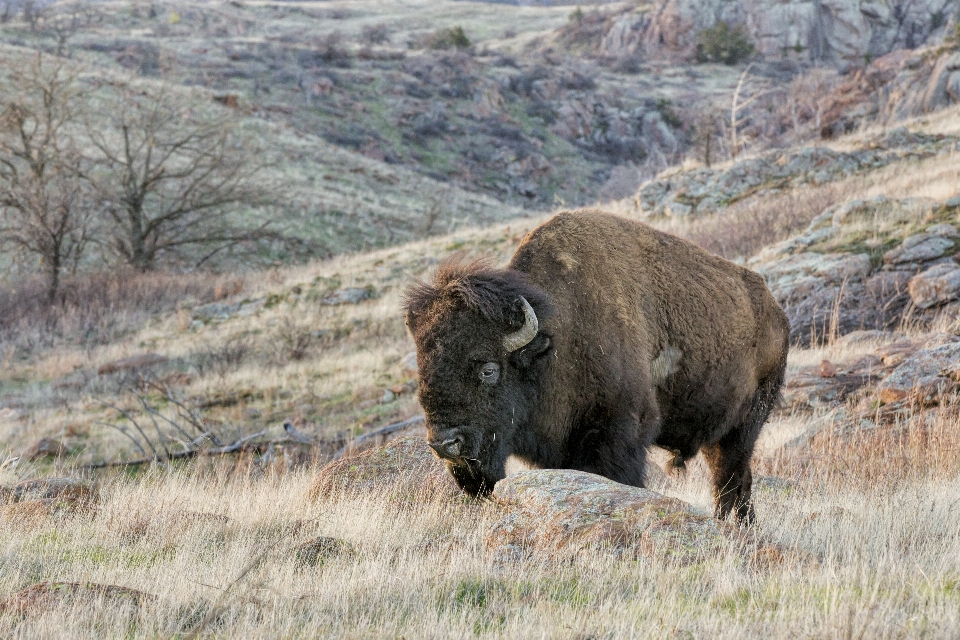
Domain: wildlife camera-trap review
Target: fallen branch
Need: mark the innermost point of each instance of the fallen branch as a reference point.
(179, 455)
(382, 431)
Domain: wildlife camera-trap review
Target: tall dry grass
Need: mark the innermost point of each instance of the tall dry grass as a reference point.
(889, 565)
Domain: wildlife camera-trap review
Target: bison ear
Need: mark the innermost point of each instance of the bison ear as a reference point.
(523, 357)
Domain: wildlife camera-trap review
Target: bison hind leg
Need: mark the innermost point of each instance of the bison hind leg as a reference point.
(729, 459)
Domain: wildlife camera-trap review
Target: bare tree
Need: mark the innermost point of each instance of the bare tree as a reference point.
(44, 208)
(170, 173)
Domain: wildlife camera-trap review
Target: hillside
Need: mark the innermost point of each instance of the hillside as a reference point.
(239, 453)
(854, 471)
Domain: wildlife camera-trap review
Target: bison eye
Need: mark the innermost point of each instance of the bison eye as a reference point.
(489, 373)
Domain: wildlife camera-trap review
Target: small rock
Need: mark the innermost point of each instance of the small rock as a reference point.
(42, 596)
(388, 396)
(132, 363)
(319, 550)
(408, 365)
(63, 491)
(953, 202)
(921, 247)
(943, 229)
(349, 295)
(559, 512)
(827, 369)
(893, 354)
(45, 448)
(404, 470)
(940, 283)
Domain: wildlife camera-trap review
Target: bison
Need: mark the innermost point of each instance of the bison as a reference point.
(601, 338)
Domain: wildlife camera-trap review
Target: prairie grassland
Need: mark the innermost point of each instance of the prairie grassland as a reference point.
(217, 551)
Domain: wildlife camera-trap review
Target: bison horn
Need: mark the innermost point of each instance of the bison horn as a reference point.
(521, 338)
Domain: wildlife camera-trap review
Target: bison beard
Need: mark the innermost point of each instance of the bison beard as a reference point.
(601, 338)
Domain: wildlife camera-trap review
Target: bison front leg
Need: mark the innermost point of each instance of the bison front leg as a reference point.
(617, 448)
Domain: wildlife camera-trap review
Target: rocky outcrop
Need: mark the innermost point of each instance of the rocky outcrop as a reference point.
(832, 281)
(705, 191)
(844, 32)
(899, 85)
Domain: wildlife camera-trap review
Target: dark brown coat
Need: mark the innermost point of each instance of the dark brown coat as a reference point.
(641, 338)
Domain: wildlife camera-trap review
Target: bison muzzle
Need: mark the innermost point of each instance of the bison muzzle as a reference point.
(601, 338)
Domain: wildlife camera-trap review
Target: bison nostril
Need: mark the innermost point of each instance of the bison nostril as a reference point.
(450, 448)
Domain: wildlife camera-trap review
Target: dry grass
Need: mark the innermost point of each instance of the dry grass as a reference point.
(888, 552)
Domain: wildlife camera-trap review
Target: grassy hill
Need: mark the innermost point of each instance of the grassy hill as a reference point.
(861, 489)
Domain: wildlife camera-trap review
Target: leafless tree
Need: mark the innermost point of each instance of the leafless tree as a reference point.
(170, 173)
(44, 204)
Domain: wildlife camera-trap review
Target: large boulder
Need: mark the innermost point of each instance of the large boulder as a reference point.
(940, 283)
(557, 513)
(927, 376)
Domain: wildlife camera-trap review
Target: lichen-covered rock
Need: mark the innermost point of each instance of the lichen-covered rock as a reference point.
(928, 375)
(559, 512)
(45, 448)
(39, 597)
(921, 247)
(405, 469)
(940, 283)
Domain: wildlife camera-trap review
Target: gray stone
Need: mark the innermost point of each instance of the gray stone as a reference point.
(921, 247)
(943, 229)
(936, 285)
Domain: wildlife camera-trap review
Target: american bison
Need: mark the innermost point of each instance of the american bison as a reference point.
(602, 337)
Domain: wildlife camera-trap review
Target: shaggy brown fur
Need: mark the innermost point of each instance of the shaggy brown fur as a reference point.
(643, 339)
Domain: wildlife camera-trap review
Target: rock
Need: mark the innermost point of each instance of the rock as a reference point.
(63, 491)
(938, 284)
(893, 354)
(317, 551)
(921, 247)
(808, 388)
(827, 369)
(404, 470)
(408, 365)
(943, 229)
(560, 512)
(133, 363)
(927, 376)
(44, 595)
(45, 448)
(807, 285)
(349, 295)
(867, 336)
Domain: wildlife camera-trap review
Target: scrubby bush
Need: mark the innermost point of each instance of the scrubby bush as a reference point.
(723, 43)
(449, 38)
(375, 34)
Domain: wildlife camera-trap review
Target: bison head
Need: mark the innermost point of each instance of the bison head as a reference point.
(480, 348)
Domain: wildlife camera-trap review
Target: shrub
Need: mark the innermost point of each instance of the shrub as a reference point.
(449, 38)
(375, 34)
(722, 43)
